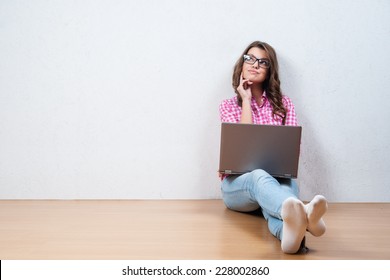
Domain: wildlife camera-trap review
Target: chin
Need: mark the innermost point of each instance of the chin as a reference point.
(257, 81)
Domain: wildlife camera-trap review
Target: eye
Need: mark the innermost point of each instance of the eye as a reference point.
(247, 57)
(264, 62)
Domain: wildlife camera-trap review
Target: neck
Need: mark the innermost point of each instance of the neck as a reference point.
(257, 93)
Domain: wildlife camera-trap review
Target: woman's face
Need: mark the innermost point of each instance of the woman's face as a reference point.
(256, 73)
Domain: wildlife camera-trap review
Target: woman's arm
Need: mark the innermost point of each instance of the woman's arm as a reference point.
(246, 114)
(245, 92)
(291, 117)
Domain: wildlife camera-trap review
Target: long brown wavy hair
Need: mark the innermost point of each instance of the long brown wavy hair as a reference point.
(272, 83)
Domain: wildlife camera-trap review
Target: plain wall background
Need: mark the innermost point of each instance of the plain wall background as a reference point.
(117, 99)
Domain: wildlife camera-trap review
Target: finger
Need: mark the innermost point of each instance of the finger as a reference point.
(245, 85)
(242, 79)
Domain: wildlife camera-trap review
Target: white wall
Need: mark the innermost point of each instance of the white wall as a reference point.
(119, 99)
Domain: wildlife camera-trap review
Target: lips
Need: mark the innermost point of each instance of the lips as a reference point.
(253, 72)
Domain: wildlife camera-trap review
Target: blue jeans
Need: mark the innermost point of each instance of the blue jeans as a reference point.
(258, 189)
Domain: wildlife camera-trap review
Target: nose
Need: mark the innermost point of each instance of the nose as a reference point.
(256, 65)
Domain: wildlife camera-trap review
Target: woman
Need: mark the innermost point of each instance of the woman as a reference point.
(259, 100)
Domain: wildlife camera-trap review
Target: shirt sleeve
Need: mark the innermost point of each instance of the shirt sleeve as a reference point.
(229, 112)
(291, 117)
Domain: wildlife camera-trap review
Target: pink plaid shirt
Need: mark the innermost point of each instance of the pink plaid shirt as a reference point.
(231, 112)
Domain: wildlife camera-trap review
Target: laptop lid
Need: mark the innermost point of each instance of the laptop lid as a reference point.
(246, 147)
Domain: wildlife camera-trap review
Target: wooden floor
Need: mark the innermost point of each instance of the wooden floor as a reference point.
(177, 230)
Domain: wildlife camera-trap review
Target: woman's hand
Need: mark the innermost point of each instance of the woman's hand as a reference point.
(244, 89)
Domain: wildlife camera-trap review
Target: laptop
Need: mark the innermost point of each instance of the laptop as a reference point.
(246, 147)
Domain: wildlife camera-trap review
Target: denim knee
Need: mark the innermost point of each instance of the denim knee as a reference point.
(261, 176)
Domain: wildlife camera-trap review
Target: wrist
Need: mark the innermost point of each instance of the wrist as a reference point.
(246, 99)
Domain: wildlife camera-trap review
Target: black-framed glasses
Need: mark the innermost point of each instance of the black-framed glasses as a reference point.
(250, 59)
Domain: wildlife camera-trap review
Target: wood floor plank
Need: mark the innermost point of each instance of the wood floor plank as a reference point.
(177, 229)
